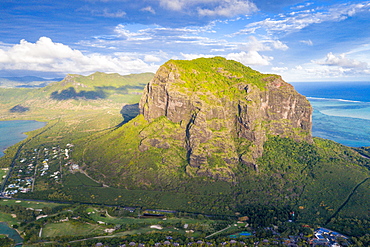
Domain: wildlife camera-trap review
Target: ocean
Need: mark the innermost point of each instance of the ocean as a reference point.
(341, 110)
(12, 132)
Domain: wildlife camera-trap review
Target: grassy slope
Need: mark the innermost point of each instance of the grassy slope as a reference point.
(69, 120)
(313, 179)
(71, 229)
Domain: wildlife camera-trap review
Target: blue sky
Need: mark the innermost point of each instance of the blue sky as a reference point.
(322, 40)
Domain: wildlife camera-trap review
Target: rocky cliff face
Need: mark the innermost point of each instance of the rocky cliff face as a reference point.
(224, 111)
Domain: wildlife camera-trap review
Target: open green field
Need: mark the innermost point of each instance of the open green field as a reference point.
(148, 221)
(71, 229)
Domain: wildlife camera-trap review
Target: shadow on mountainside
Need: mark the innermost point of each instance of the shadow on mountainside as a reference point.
(70, 93)
(129, 112)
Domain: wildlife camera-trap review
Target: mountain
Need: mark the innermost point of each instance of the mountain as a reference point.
(211, 123)
(71, 93)
(208, 135)
(224, 113)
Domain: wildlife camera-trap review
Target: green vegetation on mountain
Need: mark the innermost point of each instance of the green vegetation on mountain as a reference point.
(211, 76)
(212, 136)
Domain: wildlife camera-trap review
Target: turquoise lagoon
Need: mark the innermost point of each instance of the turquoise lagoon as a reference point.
(341, 111)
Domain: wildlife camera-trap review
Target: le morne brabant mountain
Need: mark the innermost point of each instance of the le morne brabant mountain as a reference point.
(208, 135)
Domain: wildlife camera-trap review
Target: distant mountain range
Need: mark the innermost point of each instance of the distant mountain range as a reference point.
(26, 81)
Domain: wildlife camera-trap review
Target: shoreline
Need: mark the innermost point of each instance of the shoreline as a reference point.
(16, 230)
(18, 134)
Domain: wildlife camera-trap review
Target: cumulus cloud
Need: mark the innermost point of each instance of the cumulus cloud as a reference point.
(342, 61)
(250, 58)
(48, 56)
(250, 51)
(330, 67)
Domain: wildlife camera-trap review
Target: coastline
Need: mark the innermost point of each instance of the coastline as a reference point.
(12, 134)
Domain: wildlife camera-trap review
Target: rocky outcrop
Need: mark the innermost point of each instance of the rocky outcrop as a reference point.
(224, 111)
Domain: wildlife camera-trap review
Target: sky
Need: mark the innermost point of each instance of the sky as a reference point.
(318, 40)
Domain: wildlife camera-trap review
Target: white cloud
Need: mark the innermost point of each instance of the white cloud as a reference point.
(105, 12)
(306, 42)
(298, 67)
(298, 20)
(223, 8)
(302, 6)
(176, 5)
(148, 38)
(342, 61)
(117, 14)
(151, 58)
(250, 58)
(254, 44)
(279, 69)
(47, 56)
(122, 32)
(148, 9)
(229, 8)
(194, 56)
(330, 68)
(278, 45)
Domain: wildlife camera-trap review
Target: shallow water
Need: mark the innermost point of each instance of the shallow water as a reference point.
(12, 132)
(341, 111)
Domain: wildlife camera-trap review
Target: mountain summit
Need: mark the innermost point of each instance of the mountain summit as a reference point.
(224, 112)
(207, 118)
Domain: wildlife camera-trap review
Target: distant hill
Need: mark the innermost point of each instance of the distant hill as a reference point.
(74, 92)
(97, 85)
(29, 79)
(26, 81)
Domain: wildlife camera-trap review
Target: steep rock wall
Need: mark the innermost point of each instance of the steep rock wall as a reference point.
(225, 121)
